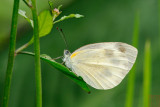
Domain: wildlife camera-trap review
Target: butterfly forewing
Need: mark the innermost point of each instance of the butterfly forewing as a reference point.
(103, 65)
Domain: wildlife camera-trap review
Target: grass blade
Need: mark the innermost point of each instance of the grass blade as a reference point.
(159, 21)
(131, 78)
(147, 75)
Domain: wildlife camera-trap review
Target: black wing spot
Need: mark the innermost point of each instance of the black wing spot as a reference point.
(122, 49)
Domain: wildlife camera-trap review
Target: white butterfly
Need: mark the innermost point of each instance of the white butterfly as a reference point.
(102, 65)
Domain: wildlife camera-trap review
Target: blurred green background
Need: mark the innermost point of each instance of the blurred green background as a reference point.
(104, 21)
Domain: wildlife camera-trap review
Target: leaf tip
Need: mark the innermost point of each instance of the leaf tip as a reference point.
(89, 92)
(79, 15)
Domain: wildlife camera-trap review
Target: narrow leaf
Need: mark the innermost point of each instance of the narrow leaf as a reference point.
(59, 7)
(68, 17)
(23, 14)
(63, 69)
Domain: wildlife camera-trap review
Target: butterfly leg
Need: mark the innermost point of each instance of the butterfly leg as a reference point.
(62, 63)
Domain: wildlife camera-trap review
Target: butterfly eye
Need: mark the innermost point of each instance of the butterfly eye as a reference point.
(66, 52)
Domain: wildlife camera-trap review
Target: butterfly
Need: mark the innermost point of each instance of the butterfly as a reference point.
(102, 65)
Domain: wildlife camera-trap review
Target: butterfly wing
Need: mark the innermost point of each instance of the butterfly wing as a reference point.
(103, 65)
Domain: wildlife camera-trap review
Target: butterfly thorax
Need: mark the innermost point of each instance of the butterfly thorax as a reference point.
(67, 58)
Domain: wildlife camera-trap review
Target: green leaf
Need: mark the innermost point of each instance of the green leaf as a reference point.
(23, 14)
(44, 20)
(45, 23)
(63, 69)
(68, 17)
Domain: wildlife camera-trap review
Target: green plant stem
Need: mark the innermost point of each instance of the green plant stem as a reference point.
(21, 48)
(11, 56)
(37, 56)
(131, 79)
(147, 75)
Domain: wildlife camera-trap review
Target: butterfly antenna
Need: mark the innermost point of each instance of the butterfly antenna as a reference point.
(63, 36)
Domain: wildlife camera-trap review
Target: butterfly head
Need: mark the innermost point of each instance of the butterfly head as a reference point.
(67, 54)
(66, 58)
